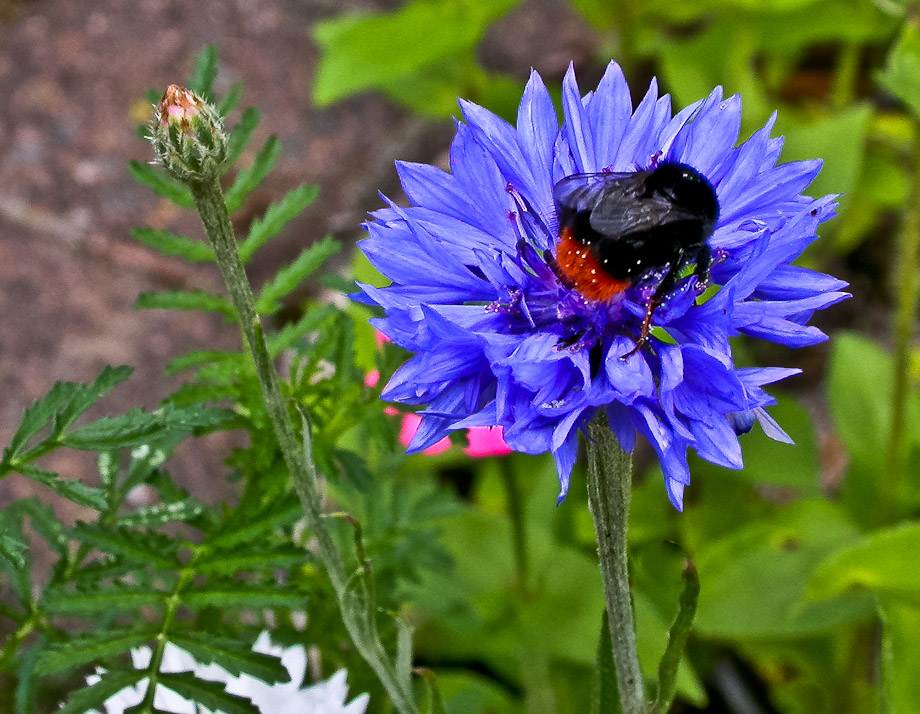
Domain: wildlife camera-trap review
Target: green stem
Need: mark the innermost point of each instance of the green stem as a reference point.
(186, 576)
(518, 526)
(908, 291)
(17, 638)
(609, 491)
(358, 611)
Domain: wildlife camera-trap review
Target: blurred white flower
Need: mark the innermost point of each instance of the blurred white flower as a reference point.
(326, 697)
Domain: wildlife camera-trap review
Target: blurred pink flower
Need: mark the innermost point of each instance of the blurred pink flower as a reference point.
(483, 441)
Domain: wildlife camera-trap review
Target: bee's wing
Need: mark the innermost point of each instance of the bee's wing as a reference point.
(581, 192)
(624, 209)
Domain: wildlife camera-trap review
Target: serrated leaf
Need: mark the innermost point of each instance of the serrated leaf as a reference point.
(13, 549)
(240, 595)
(138, 428)
(288, 278)
(210, 695)
(196, 358)
(292, 332)
(160, 513)
(231, 99)
(677, 639)
(145, 547)
(91, 574)
(28, 681)
(202, 79)
(172, 244)
(83, 700)
(230, 562)
(276, 217)
(108, 599)
(233, 655)
(186, 300)
(161, 183)
(44, 522)
(248, 527)
(86, 649)
(87, 395)
(71, 489)
(249, 179)
(64, 402)
(241, 134)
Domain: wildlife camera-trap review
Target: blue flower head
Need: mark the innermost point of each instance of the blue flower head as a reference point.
(500, 337)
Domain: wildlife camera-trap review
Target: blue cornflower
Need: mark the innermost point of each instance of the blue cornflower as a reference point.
(501, 338)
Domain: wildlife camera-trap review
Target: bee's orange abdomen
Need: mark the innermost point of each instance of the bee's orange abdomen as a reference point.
(581, 269)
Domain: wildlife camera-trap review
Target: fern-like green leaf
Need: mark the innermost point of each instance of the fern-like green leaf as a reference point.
(86, 649)
(276, 217)
(241, 595)
(202, 79)
(28, 682)
(186, 300)
(210, 695)
(89, 698)
(249, 179)
(61, 406)
(161, 183)
(231, 99)
(68, 488)
(294, 331)
(146, 548)
(224, 358)
(288, 278)
(241, 134)
(172, 244)
(230, 562)
(44, 522)
(248, 527)
(13, 549)
(112, 598)
(233, 655)
(137, 427)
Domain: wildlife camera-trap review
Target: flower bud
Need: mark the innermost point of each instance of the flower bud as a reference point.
(188, 135)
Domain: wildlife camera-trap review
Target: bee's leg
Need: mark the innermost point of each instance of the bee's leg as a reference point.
(703, 263)
(646, 327)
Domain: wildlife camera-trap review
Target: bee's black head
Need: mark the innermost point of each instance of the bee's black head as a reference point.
(685, 187)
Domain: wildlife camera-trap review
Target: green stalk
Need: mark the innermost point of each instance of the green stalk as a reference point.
(186, 576)
(357, 607)
(908, 292)
(609, 492)
(518, 524)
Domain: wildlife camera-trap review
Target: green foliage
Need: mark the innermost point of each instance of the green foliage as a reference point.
(422, 55)
(902, 74)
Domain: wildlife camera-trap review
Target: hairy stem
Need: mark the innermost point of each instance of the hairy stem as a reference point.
(609, 491)
(357, 608)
